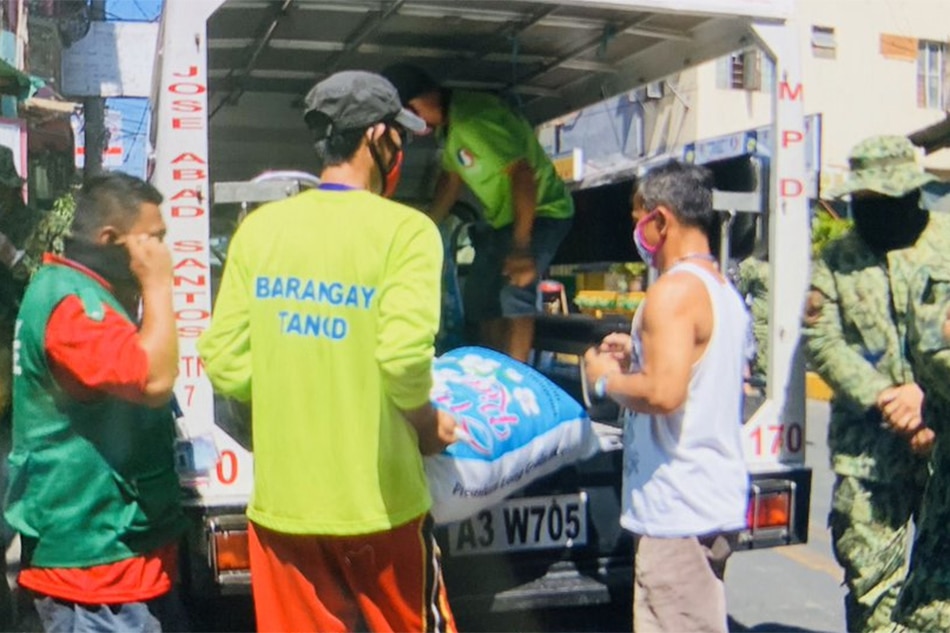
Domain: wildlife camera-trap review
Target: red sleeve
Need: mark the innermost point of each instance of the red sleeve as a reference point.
(87, 356)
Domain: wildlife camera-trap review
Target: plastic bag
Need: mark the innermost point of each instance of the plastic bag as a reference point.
(515, 426)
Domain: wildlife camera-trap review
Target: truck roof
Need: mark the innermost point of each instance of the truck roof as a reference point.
(550, 57)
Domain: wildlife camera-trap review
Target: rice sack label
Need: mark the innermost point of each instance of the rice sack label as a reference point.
(515, 426)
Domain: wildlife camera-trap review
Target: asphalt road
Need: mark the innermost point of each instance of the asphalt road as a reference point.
(794, 588)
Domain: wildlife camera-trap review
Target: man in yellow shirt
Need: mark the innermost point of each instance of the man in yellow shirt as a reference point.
(326, 321)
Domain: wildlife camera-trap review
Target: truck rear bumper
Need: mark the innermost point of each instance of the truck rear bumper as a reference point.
(215, 558)
(564, 585)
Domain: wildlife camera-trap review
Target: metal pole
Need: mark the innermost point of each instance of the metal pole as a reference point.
(94, 114)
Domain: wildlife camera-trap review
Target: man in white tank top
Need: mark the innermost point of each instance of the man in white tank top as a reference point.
(679, 374)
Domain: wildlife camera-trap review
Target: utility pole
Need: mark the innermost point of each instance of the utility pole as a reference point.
(94, 113)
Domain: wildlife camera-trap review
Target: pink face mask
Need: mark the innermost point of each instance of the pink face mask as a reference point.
(647, 252)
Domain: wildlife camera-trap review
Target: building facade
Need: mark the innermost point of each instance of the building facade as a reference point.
(870, 67)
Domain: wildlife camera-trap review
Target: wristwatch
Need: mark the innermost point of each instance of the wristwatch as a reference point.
(600, 385)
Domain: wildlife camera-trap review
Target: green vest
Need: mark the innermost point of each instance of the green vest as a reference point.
(90, 483)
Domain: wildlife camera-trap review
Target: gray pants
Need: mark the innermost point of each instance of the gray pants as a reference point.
(678, 584)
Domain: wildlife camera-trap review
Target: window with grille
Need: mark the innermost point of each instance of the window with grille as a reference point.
(823, 42)
(745, 70)
(931, 75)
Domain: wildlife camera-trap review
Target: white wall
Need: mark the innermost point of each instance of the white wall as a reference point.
(859, 93)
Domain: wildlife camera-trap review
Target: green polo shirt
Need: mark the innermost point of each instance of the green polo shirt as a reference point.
(483, 139)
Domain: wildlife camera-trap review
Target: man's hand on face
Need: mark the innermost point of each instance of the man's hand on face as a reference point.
(902, 408)
(150, 260)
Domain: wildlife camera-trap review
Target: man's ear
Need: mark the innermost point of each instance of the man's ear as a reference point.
(662, 218)
(108, 235)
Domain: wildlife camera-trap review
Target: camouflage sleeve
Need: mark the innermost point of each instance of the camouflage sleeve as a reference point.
(744, 276)
(848, 373)
(929, 333)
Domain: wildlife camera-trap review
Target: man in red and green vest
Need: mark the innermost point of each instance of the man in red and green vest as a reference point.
(92, 487)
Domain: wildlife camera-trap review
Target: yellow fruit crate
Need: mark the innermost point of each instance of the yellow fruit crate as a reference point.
(596, 303)
(630, 301)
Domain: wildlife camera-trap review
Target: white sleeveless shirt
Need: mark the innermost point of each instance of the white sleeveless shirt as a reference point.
(684, 473)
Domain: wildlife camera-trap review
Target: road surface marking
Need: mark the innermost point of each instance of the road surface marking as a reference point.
(805, 557)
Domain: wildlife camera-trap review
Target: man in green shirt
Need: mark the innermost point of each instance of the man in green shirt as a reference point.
(529, 211)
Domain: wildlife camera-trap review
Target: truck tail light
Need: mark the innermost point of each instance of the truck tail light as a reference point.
(231, 551)
(769, 510)
(777, 513)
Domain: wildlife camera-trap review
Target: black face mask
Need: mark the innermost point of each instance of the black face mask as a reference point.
(887, 224)
(111, 261)
(389, 174)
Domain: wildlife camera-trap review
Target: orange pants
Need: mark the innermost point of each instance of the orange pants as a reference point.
(385, 581)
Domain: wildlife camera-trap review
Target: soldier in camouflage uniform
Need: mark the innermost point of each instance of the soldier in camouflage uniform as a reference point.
(924, 603)
(859, 311)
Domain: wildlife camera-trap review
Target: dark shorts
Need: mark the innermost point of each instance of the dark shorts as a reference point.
(165, 613)
(487, 293)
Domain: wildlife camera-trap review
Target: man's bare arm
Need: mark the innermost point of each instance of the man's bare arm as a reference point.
(673, 315)
(435, 428)
(524, 191)
(447, 190)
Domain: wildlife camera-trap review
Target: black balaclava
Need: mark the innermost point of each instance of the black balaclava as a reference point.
(887, 223)
(111, 261)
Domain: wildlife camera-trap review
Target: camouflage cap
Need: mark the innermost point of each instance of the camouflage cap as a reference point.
(885, 165)
(8, 175)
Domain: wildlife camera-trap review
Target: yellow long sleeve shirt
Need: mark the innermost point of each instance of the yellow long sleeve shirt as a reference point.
(326, 319)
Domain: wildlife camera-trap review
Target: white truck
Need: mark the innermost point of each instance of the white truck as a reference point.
(228, 85)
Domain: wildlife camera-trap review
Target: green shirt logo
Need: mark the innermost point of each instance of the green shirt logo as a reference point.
(465, 158)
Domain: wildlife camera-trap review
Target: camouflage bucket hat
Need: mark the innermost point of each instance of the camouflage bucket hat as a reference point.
(885, 165)
(8, 175)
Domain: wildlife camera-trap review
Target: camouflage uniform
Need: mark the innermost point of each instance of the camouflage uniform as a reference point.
(924, 603)
(753, 284)
(856, 335)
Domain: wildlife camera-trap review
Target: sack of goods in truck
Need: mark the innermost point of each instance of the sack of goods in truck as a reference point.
(515, 426)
